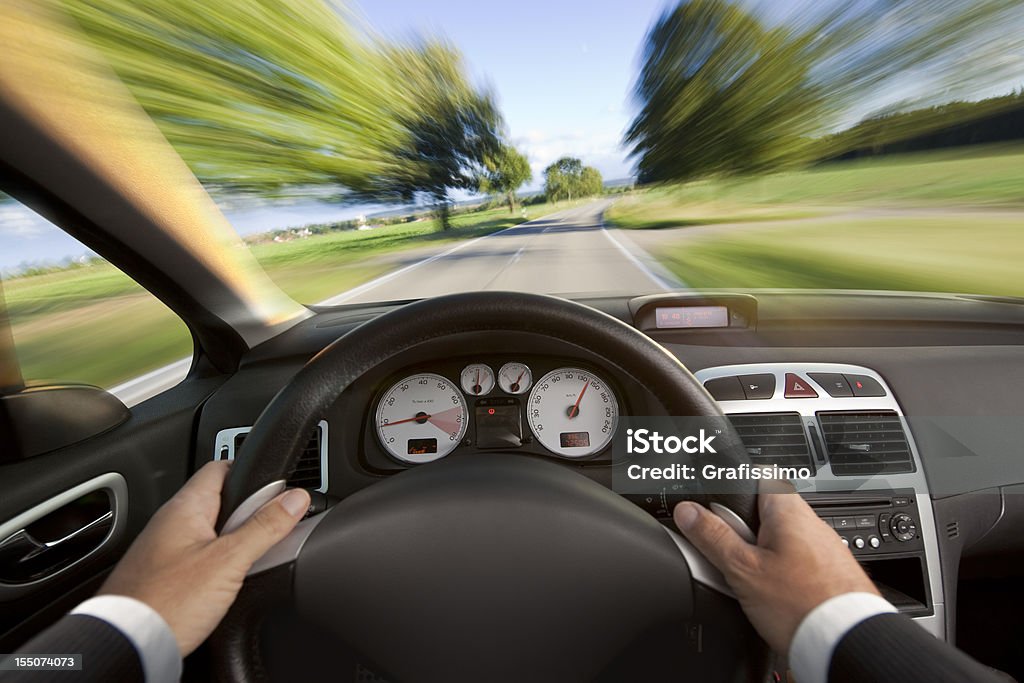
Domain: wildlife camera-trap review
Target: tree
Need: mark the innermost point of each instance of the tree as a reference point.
(452, 130)
(721, 91)
(568, 178)
(591, 182)
(505, 172)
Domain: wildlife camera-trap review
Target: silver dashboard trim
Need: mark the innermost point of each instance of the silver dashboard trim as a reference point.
(701, 569)
(252, 504)
(224, 448)
(825, 480)
(287, 549)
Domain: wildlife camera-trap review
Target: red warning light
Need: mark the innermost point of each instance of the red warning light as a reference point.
(490, 411)
(860, 385)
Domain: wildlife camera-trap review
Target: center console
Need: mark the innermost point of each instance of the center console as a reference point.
(844, 424)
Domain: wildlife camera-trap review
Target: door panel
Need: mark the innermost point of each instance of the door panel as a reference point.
(151, 453)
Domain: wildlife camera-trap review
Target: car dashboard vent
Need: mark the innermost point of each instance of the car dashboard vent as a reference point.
(866, 443)
(310, 469)
(774, 438)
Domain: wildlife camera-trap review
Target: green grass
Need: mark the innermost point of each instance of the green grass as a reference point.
(94, 324)
(982, 255)
(985, 176)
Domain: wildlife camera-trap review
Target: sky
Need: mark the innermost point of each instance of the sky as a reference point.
(561, 69)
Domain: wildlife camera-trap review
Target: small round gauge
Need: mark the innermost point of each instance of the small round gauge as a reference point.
(477, 379)
(573, 412)
(515, 378)
(422, 418)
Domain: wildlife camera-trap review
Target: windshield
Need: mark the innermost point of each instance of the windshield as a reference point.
(393, 150)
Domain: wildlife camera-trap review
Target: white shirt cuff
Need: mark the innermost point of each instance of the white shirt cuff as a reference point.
(145, 629)
(817, 636)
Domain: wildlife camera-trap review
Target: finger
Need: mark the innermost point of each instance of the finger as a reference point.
(270, 524)
(771, 492)
(201, 493)
(713, 537)
(208, 479)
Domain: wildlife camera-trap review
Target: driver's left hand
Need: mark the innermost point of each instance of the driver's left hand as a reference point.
(181, 568)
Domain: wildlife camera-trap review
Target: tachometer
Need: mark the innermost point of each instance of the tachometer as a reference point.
(573, 412)
(421, 418)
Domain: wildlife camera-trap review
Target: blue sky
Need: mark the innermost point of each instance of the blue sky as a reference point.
(562, 69)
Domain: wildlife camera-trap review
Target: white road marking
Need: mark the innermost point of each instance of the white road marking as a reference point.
(631, 257)
(387, 277)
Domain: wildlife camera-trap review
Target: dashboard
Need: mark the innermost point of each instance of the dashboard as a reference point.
(863, 388)
(545, 406)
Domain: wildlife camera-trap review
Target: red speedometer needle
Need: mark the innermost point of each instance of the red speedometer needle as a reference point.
(416, 418)
(575, 410)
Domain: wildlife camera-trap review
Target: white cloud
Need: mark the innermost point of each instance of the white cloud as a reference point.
(21, 222)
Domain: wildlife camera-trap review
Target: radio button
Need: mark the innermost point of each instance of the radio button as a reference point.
(858, 543)
(866, 522)
(844, 522)
(874, 542)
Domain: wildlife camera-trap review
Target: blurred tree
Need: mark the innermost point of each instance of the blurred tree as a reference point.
(453, 128)
(505, 172)
(284, 96)
(568, 178)
(591, 182)
(720, 91)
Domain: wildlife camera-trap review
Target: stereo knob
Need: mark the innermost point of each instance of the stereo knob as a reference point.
(874, 541)
(845, 542)
(903, 527)
(858, 543)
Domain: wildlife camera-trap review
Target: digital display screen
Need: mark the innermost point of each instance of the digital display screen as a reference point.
(498, 424)
(422, 446)
(692, 316)
(574, 439)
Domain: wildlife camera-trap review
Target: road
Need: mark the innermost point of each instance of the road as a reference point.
(569, 252)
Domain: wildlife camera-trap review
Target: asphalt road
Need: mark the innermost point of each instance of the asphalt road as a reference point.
(569, 253)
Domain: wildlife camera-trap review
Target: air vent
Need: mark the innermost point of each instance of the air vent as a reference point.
(953, 530)
(774, 438)
(865, 443)
(311, 469)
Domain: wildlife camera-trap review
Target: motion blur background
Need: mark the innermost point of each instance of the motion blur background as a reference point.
(869, 144)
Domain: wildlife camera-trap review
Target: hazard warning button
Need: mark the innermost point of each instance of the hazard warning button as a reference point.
(797, 387)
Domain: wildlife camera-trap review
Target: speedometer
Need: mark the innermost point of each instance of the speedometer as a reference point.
(422, 418)
(573, 412)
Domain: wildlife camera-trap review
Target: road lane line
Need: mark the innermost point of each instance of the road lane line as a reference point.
(631, 257)
(387, 277)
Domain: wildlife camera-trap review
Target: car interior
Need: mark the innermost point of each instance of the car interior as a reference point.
(488, 535)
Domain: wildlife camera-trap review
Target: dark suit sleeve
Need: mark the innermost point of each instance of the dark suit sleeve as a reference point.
(890, 647)
(106, 654)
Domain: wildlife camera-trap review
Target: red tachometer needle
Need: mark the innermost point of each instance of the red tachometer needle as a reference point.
(422, 418)
(575, 410)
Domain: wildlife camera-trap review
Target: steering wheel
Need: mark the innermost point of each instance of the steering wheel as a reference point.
(498, 568)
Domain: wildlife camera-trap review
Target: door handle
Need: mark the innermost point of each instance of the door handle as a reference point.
(24, 558)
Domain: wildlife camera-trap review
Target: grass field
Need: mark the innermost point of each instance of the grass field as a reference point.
(94, 324)
(982, 256)
(980, 177)
(937, 221)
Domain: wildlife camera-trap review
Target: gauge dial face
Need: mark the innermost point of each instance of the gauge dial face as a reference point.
(515, 378)
(477, 379)
(421, 418)
(573, 412)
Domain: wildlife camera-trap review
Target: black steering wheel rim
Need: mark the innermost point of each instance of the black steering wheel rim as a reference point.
(456, 503)
(273, 446)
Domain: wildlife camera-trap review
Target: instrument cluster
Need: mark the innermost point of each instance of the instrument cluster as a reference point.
(570, 411)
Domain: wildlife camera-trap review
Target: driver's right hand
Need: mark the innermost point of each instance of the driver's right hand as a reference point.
(797, 564)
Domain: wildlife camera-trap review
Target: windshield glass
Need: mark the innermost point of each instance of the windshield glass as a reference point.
(400, 149)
